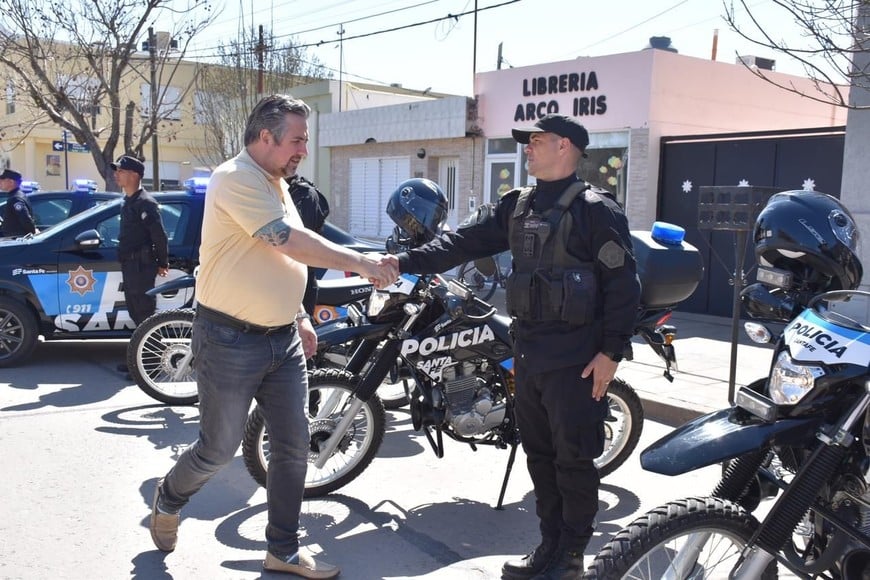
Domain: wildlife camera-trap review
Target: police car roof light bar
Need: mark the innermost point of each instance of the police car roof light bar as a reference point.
(196, 185)
(87, 185)
(29, 186)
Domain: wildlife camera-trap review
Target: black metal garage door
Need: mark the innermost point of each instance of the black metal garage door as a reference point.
(785, 160)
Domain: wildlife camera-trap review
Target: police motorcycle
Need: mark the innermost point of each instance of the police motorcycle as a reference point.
(460, 354)
(801, 433)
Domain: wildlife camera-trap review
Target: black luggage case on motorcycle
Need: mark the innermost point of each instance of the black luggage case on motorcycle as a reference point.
(668, 273)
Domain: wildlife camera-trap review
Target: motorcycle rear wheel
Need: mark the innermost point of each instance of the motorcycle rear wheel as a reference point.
(159, 359)
(622, 428)
(651, 547)
(329, 393)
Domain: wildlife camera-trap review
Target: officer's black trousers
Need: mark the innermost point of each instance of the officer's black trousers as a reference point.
(138, 279)
(562, 432)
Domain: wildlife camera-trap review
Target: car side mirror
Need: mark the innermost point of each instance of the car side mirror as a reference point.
(88, 240)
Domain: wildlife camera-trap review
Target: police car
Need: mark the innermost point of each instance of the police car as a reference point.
(52, 207)
(66, 283)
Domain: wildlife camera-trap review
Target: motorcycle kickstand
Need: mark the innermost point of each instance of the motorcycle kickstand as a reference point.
(507, 474)
(438, 447)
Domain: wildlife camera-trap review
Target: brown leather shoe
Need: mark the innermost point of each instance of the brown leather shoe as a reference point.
(301, 564)
(164, 527)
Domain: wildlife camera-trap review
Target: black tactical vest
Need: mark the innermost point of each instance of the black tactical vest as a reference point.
(547, 283)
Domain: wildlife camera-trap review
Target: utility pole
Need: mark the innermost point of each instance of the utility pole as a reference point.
(152, 50)
(65, 158)
(340, 62)
(260, 50)
(474, 51)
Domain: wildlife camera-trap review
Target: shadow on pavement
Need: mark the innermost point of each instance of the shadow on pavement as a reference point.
(51, 364)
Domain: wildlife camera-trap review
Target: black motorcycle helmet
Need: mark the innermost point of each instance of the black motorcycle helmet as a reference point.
(398, 241)
(419, 208)
(813, 236)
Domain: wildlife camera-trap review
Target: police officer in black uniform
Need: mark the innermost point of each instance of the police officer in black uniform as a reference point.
(313, 209)
(17, 214)
(573, 295)
(143, 248)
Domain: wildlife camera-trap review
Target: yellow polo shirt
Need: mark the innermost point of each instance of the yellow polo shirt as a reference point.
(240, 275)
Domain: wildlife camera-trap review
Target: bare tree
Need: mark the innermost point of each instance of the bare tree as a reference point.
(76, 64)
(244, 70)
(833, 32)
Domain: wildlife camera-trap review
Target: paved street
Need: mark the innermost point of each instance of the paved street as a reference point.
(82, 449)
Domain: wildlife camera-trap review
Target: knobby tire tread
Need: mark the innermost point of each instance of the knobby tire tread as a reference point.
(667, 521)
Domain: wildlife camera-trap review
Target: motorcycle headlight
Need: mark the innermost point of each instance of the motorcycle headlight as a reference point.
(790, 381)
(377, 301)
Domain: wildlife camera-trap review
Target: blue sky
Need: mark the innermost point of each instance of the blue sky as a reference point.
(439, 55)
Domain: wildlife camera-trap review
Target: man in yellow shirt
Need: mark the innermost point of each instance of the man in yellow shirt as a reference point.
(251, 335)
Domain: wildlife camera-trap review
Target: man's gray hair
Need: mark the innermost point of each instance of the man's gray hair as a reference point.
(270, 113)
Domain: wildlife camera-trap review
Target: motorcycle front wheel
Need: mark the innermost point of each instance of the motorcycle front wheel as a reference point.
(689, 539)
(330, 392)
(393, 392)
(159, 357)
(622, 428)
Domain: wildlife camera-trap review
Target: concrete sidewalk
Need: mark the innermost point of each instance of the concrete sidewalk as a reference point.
(703, 349)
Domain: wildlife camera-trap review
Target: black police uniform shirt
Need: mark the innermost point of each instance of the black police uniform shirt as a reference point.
(551, 345)
(142, 228)
(310, 203)
(313, 209)
(18, 215)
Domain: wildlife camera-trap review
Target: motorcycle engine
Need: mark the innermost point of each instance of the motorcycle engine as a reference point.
(471, 402)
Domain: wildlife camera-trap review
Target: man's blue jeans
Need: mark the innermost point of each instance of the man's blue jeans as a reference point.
(233, 368)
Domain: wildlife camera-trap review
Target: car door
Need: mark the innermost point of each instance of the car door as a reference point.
(90, 288)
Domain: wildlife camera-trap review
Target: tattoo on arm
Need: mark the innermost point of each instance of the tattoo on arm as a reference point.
(275, 233)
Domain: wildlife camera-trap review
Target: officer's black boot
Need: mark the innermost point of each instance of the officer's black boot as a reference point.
(532, 564)
(566, 563)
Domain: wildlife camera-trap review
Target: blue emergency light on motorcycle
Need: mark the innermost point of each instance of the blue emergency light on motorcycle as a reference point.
(86, 185)
(29, 186)
(196, 185)
(668, 234)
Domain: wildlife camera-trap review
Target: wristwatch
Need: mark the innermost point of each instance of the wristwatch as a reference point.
(614, 356)
(302, 315)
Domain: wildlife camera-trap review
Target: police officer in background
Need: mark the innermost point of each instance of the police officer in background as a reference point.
(143, 248)
(573, 295)
(313, 209)
(17, 214)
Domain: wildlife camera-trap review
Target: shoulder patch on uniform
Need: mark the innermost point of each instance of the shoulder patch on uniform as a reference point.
(144, 215)
(592, 196)
(611, 255)
(600, 194)
(482, 213)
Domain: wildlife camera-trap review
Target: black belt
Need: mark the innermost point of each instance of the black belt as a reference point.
(242, 325)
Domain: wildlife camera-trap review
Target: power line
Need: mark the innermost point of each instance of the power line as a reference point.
(368, 34)
(211, 50)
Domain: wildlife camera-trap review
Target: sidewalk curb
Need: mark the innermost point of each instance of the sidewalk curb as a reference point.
(667, 412)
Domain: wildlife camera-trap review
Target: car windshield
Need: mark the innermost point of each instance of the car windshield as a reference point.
(71, 221)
